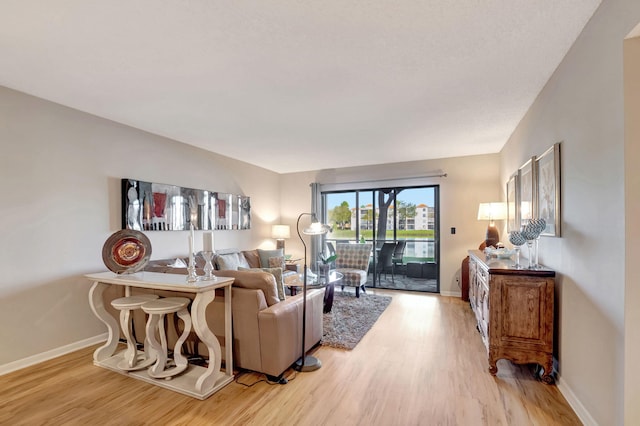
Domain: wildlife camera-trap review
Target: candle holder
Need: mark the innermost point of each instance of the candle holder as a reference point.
(208, 266)
(191, 269)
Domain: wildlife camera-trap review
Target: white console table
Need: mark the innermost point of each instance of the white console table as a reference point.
(198, 382)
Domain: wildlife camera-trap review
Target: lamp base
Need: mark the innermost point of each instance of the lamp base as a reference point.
(311, 363)
(493, 237)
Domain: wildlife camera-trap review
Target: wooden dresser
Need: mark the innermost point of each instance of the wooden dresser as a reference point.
(514, 310)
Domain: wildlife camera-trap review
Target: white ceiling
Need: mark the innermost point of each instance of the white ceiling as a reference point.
(296, 85)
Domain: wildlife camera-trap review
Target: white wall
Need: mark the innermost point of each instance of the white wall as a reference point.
(60, 200)
(470, 181)
(582, 106)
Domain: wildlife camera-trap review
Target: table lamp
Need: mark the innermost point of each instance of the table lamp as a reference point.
(280, 233)
(308, 363)
(492, 212)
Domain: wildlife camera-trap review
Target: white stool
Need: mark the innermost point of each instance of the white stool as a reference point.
(157, 309)
(132, 359)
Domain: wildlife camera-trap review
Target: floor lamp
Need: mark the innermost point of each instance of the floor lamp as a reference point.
(308, 363)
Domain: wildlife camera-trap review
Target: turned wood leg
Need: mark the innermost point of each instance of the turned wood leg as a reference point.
(493, 367)
(228, 332)
(179, 359)
(545, 375)
(157, 349)
(131, 354)
(208, 379)
(96, 302)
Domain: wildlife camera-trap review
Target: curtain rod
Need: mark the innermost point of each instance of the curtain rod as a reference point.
(437, 175)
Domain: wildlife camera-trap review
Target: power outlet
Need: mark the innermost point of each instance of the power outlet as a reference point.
(453, 230)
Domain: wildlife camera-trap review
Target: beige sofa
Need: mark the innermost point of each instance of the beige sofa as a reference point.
(267, 331)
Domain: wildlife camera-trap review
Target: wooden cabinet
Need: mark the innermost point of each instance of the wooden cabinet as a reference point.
(514, 311)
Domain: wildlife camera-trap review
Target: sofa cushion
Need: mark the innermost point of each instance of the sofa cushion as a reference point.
(277, 274)
(257, 280)
(353, 277)
(266, 254)
(231, 261)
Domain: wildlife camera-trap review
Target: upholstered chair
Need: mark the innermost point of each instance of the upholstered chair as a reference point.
(353, 262)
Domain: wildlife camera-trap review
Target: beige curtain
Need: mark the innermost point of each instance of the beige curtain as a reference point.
(316, 241)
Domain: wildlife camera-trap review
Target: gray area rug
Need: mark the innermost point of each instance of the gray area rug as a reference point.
(351, 318)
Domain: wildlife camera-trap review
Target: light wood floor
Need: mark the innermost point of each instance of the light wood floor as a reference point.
(423, 363)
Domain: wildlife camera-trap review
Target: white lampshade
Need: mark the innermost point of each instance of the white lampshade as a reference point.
(316, 228)
(492, 211)
(280, 232)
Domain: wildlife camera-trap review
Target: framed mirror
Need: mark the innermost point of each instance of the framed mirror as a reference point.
(527, 191)
(148, 206)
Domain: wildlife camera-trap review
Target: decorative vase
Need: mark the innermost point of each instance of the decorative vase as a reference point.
(323, 271)
(531, 232)
(516, 238)
(540, 225)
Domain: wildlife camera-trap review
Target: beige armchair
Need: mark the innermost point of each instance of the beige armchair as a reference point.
(353, 262)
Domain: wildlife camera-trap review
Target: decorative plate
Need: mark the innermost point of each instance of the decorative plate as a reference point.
(126, 251)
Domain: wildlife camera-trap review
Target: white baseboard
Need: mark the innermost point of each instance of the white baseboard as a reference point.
(580, 410)
(450, 293)
(53, 353)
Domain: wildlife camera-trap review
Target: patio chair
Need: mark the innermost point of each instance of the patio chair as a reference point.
(398, 254)
(385, 261)
(353, 263)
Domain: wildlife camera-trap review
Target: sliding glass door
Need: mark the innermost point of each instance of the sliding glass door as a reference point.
(405, 215)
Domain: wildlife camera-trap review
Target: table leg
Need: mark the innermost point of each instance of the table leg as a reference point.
(198, 315)
(157, 350)
(96, 301)
(228, 332)
(328, 297)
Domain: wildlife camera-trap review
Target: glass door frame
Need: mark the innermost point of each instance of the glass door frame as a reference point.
(397, 189)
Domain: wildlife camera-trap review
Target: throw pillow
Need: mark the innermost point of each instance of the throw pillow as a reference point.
(277, 274)
(226, 263)
(277, 262)
(178, 263)
(256, 280)
(231, 261)
(266, 254)
(253, 258)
